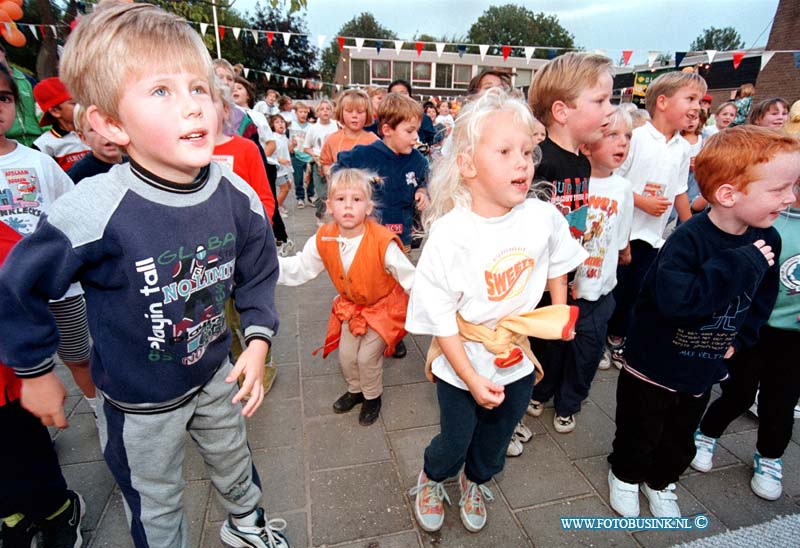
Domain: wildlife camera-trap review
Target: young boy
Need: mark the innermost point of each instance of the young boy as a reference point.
(300, 159)
(269, 106)
(104, 154)
(571, 97)
(60, 143)
(160, 244)
(705, 297)
(658, 168)
(315, 138)
(402, 168)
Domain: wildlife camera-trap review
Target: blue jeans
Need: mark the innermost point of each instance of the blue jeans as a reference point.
(299, 168)
(474, 436)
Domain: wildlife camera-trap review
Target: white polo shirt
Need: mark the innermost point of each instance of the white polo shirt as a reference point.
(655, 167)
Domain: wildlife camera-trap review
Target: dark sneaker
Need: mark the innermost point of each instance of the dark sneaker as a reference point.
(19, 536)
(400, 350)
(64, 530)
(369, 411)
(347, 401)
(264, 534)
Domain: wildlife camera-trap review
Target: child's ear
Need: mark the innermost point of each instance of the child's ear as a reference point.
(82, 137)
(661, 102)
(586, 150)
(559, 112)
(107, 126)
(726, 195)
(466, 166)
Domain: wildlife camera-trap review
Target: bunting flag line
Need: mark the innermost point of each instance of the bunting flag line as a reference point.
(462, 49)
(340, 41)
(797, 59)
(439, 48)
(255, 35)
(378, 46)
(203, 28)
(766, 57)
(246, 71)
(737, 59)
(711, 54)
(359, 44)
(32, 28)
(679, 55)
(53, 28)
(506, 52)
(529, 50)
(221, 33)
(551, 53)
(398, 45)
(236, 32)
(419, 46)
(651, 58)
(287, 36)
(626, 56)
(483, 49)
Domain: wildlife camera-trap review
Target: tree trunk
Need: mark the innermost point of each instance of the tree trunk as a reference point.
(47, 60)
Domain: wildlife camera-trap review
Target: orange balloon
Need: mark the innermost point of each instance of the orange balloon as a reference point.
(17, 2)
(4, 17)
(12, 9)
(13, 37)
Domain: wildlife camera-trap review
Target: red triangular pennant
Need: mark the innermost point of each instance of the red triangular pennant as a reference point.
(221, 33)
(506, 52)
(270, 36)
(340, 39)
(626, 56)
(737, 58)
(419, 46)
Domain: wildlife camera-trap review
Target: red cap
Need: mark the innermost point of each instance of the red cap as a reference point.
(50, 93)
(707, 98)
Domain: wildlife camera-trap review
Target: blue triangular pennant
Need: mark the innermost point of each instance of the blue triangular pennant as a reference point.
(378, 45)
(679, 55)
(797, 59)
(551, 53)
(462, 49)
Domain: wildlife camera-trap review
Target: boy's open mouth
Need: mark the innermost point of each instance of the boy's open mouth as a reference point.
(194, 136)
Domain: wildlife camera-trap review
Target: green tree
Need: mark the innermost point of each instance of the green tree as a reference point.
(298, 60)
(512, 25)
(361, 26)
(724, 39)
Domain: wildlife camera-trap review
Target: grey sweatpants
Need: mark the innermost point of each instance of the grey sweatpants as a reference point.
(146, 452)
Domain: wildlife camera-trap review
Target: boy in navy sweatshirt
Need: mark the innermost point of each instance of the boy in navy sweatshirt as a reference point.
(707, 294)
(159, 245)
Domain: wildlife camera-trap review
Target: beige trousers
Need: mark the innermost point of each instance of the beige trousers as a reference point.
(361, 360)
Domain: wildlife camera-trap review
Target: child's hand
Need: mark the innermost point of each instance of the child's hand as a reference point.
(765, 250)
(421, 197)
(486, 393)
(44, 397)
(654, 205)
(251, 363)
(625, 256)
(729, 352)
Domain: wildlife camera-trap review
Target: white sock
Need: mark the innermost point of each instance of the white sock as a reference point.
(246, 521)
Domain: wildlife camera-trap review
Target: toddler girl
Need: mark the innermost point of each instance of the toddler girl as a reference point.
(489, 256)
(725, 114)
(368, 267)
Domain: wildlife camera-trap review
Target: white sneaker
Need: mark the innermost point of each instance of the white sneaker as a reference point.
(797, 411)
(766, 482)
(624, 497)
(605, 361)
(535, 408)
(523, 433)
(703, 459)
(514, 448)
(663, 503)
(564, 425)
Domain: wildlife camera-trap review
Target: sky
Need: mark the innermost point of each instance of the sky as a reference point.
(639, 25)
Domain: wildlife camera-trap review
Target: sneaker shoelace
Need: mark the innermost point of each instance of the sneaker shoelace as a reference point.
(472, 498)
(770, 467)
(432, 494)
(267, 534)
(667, 492)
(565, 421)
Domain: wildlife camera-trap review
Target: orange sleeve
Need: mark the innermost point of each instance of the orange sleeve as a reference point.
(326, 157)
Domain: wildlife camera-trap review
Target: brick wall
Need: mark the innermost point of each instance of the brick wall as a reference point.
(780, 78)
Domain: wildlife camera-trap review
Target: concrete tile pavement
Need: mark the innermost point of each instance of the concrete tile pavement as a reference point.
(340, 484)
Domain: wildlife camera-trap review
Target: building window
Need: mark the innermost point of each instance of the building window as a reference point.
(523, 78)
(381, 72)
(359, 72)
(462, 74)
(422, 75)
(444, 76)
(402, 71)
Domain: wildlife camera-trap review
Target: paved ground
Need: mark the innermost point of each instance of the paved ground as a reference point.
(339, 484)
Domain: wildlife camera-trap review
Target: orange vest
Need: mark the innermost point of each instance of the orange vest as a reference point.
(368, 295)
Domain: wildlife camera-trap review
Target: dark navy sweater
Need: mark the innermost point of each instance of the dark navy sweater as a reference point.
(706, 290)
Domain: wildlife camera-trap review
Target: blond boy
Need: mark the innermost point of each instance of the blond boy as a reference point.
(159, 245)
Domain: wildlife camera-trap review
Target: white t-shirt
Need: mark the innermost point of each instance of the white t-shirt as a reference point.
(316, 135)
(446, 121)
(265, 134)
(655, 167)
(708, 131)
(265, 109)
(281, 153)
(30, 181)
(486, 269)
(608, 225)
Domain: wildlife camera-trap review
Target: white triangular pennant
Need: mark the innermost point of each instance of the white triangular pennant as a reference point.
(33, 31)
(236, 32)
(651, 58)
(439, 48)
(338, 87)
(398, 45)
(529, 53)
(268, 75)
(321, 40)
(53, 28)
(359, 44)
(286, 37)
(203, 28)
(483, 48)
(766, 57)
(711, 54)
(303, 83)
(285, 80)
(246, 71)
(255, 35)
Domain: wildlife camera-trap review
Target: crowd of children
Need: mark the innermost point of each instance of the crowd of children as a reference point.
(549, 254)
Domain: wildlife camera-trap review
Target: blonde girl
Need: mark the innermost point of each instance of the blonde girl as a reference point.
(490, 254)
(723, 118)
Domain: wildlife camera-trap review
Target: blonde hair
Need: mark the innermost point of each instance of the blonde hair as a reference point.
(358, 179)
(747, 90)
(563, 79)
(300, 105)
(79, 119)
(621, 114)
(355, 97)
(640, 117)
(121, 41)
(447, 188)
(324, 101)
(792, 126)
(669, 84)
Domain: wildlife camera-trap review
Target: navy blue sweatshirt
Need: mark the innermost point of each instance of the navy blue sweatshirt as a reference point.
(402, 175)
(706, 290)
(157, 262)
